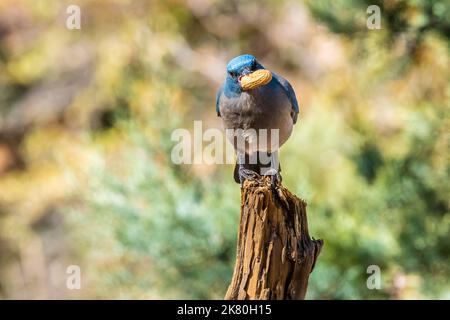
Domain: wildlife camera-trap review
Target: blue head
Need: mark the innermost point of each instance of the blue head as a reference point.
(236, 69)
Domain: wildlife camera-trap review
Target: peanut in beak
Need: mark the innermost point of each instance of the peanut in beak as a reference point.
(256, 79)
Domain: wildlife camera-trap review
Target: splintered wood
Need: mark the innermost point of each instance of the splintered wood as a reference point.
(275, 253)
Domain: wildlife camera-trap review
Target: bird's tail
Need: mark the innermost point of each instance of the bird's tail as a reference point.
(256, 162)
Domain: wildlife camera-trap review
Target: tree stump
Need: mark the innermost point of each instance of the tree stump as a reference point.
(275, 253)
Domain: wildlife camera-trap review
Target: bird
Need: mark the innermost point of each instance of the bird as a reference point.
(256, 104)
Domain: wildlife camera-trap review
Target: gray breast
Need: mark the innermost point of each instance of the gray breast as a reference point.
(266, 108)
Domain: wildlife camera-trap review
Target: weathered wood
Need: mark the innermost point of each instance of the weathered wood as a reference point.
(275, 253)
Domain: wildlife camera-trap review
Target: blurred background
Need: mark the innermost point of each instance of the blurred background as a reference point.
(86, 118)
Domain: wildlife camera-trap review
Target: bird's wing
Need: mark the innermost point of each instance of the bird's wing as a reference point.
(219, 93)
(290, 93)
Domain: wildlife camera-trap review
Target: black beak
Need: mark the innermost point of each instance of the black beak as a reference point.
(245, 72)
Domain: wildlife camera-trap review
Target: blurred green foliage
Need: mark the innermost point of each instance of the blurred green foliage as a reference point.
(85, 142)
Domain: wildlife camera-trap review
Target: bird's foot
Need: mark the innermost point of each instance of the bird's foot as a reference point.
(275, 178)
(275, 183)
(247, 174)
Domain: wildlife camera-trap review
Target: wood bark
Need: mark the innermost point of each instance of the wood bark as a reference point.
(275, 253)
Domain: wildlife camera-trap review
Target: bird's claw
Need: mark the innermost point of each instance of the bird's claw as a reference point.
(246, 174)
(275, 177)
(275, 182)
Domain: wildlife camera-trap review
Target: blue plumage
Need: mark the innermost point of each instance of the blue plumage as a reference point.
(289, 91)
(240, 65)
(272, 105)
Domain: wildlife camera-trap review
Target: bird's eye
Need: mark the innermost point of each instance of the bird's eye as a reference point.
(233, 74)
